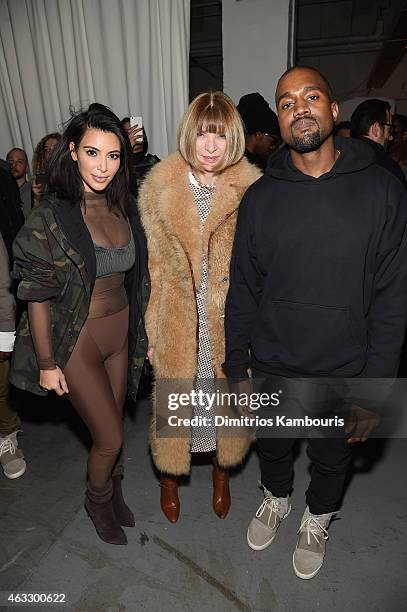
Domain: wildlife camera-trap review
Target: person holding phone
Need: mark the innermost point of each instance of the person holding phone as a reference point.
(188, 205)
(42, 155)
(141, 161)
(81, 258)
(135, 131)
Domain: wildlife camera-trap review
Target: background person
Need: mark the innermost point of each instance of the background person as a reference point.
(262, 130)
(11, 214)
(342, 129)
(11, 456)
(398, 150)
(42, 155)
(141, 161)
(19, 167)
(371, 121)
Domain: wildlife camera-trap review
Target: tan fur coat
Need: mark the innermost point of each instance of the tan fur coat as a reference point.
(171, 221)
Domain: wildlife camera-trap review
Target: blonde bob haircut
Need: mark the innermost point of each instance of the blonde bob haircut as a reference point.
(212, 112)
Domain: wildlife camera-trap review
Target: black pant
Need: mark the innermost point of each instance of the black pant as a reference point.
(330, 457)
(330, 462)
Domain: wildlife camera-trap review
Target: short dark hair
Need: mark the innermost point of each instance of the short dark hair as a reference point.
(125, 120)
(21, 151)
(64, 177)
(366, 114)
(322, 76)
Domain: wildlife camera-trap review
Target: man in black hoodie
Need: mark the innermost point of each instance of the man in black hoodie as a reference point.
(318, 288)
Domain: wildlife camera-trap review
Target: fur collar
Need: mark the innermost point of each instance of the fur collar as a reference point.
(166, 198)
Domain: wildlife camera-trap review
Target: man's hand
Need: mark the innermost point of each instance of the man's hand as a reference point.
(4, 355)
(360, 423)
(242, 388)
(53, 380)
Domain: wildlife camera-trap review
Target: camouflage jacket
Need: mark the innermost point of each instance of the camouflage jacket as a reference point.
(54, 259)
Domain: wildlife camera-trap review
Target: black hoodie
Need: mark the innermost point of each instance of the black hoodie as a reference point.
(318, 282)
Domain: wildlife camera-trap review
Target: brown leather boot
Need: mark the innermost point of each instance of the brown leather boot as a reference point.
(98, 504)
(169, 497)
(221, 492)
(122, 512)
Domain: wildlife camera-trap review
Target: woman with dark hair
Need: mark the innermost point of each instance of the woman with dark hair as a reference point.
(40, 163)
(81, 258)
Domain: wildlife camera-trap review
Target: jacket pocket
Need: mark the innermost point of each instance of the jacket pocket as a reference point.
(307, 338)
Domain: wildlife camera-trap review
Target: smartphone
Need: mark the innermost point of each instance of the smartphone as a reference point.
(41, 179)
(137, 122)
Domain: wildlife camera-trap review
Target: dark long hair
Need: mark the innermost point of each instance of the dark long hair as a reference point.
(64, 177)
(38, 164)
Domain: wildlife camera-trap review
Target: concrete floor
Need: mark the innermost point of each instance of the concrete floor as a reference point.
(202, 563)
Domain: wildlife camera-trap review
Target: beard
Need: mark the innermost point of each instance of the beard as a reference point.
(310, 141)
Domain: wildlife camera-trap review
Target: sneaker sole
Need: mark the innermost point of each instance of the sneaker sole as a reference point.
(306, 576)
(263, 546)
(16, 475)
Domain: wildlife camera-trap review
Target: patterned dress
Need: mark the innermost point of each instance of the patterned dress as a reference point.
(203, 439)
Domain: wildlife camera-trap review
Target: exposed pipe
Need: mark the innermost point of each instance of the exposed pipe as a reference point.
(205, 5)
(292, 23)
(343, 40)
(372, 47)
(318, 2)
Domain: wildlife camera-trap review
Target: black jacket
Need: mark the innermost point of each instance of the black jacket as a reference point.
(383, 159)
(11, 214)
(318, 281)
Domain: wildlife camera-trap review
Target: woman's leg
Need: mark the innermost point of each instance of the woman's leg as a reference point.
(116, 368)
(91, 394)
(97, 392)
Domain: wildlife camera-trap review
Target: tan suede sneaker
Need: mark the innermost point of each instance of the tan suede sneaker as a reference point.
(263, 527)
(309, 553)
(11, 457)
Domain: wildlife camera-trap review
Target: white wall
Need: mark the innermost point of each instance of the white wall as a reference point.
(255, 46)
(347, 107)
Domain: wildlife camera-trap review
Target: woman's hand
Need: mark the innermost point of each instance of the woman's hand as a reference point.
(37, 189)
(53, 380)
